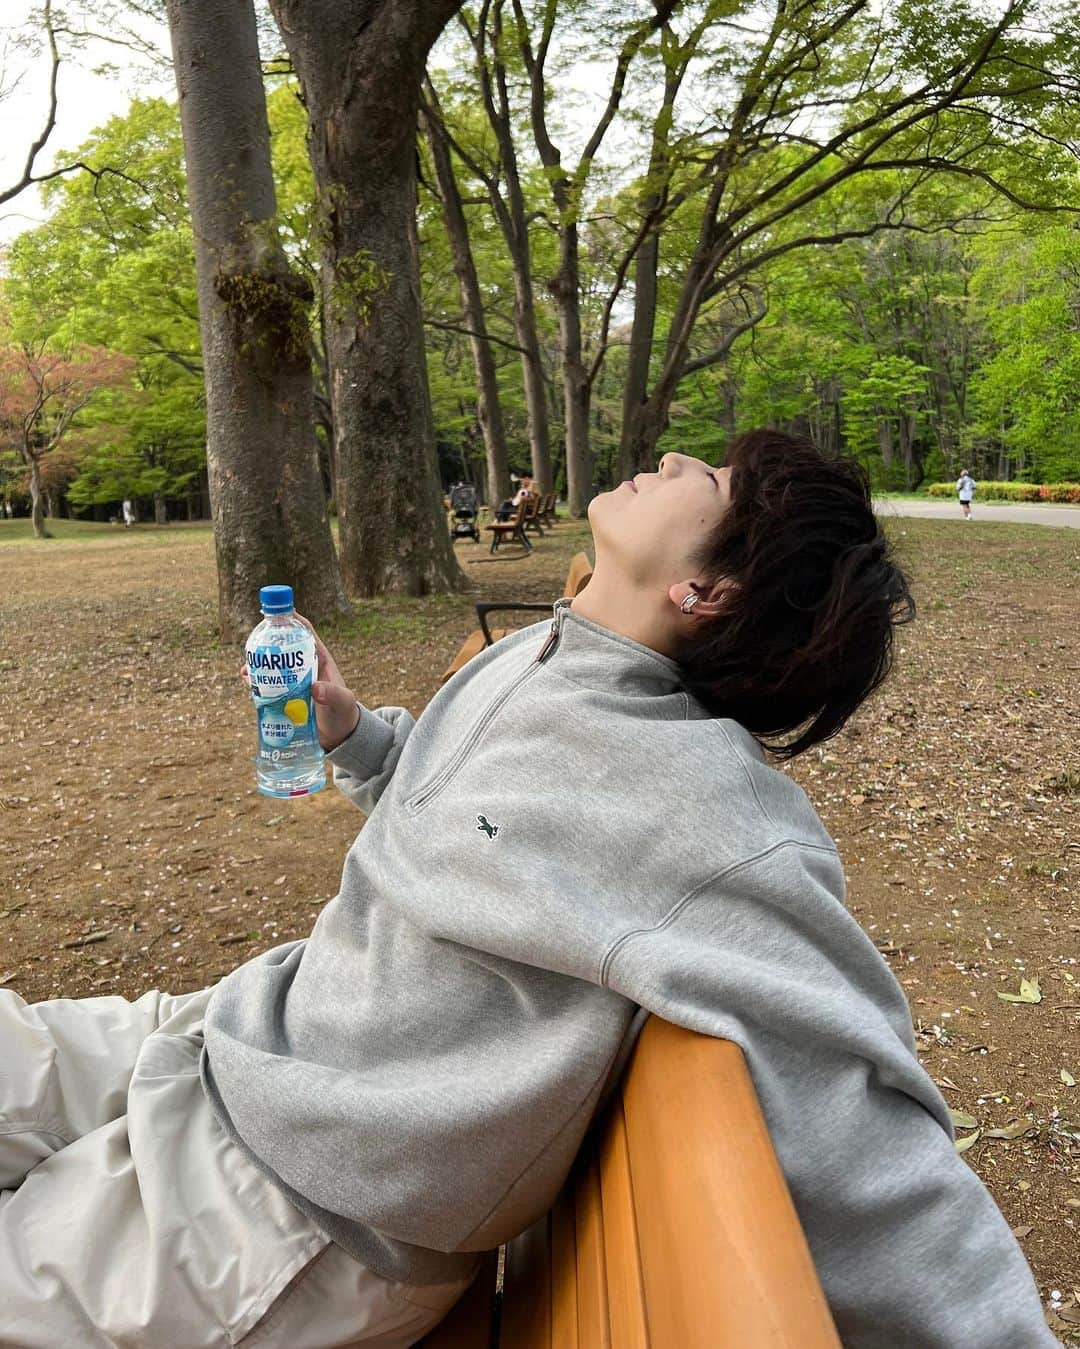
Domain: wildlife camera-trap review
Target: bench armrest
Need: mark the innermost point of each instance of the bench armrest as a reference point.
(485, 607)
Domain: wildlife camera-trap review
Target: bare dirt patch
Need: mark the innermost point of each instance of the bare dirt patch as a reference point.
(135, 852)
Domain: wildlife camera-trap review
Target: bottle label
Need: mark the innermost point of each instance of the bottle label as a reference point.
(281, 690)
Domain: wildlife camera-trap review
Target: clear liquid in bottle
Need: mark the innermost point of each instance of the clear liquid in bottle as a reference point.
(281, 664)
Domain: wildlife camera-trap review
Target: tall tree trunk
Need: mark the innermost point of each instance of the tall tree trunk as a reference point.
(577, 387)
(267, 501)
(489, 409)
(635, 453)
(160, 517)
(513, 220)
(649, 416)
(37, 500)
(361, 64)
(637, 446)
(538, 427)
(885, 440)
(511, 214)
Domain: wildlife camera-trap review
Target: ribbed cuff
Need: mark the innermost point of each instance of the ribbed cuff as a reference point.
(364, 753)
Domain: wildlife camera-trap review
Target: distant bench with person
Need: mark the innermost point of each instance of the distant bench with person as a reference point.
(531, 513)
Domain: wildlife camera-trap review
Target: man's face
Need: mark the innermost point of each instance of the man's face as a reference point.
(654, 528)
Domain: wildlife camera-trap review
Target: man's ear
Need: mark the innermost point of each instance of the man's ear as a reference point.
(712, 597)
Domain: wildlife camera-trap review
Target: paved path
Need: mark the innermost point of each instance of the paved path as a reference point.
(1065, 517)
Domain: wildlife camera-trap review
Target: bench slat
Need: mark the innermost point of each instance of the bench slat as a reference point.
(723, 1254)
(472, 646)
(590, 1270)
(564, 1289)
(622, 1256)
(577, 578)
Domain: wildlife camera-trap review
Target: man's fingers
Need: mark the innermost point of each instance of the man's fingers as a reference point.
(330, 693)
(327, 664)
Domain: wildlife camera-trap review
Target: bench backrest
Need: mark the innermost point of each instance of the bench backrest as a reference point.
(578, 576)
(674, 1231)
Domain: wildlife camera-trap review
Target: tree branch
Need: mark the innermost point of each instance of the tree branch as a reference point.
(50, 120)
(468, 332)
(753, 318)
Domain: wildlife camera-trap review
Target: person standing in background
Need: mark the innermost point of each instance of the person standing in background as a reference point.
(129, 514)
(965, 490)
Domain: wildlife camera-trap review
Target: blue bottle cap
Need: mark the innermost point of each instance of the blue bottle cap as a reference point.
(276, 599)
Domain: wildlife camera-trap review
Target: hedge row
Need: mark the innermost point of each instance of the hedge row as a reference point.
(1015, 491)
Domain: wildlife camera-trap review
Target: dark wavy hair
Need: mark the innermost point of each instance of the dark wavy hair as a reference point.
(806, 630)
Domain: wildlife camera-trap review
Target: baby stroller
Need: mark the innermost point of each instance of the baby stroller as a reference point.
(464, 509)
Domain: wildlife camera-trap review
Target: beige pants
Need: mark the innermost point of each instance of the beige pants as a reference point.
(129, 1220)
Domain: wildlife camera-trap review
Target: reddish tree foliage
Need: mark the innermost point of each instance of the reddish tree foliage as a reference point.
(41, 393)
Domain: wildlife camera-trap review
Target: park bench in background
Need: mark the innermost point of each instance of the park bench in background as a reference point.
(534, 515)
(511, 529)
(547, 509)
(576, 579)
(675, 1229)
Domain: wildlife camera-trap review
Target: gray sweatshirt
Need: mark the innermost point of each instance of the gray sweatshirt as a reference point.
(561, 843)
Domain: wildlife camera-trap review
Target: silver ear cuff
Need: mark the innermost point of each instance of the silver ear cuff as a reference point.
(688, 603)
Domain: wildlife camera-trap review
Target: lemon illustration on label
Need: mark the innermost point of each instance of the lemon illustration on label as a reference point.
(296, 710)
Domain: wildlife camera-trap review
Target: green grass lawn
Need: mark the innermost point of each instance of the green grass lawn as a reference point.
(76, 531)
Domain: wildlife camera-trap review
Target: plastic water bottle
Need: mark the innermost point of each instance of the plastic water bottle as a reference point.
(281, 663)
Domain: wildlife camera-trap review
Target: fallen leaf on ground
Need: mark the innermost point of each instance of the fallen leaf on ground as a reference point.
(1029, 992)
(1017, 1129)
(962, 1144)
(962, 1121)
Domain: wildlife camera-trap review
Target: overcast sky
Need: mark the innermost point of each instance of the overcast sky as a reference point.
(85, 99)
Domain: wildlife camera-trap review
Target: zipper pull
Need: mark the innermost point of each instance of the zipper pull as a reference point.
(552, 638)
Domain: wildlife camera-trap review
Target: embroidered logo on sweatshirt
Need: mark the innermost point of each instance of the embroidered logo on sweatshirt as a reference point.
(483, 824)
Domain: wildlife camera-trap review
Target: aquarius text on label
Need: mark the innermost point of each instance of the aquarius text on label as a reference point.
(275, 660)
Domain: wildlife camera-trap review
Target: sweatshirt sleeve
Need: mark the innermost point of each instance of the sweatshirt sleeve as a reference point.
(911, 1250)
(365, 763)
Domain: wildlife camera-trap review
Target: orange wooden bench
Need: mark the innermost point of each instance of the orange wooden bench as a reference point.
(534, 515)
(514, 528)
(675, 1230)
(576, 579)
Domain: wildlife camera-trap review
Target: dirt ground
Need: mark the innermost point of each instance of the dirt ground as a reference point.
(135, 852)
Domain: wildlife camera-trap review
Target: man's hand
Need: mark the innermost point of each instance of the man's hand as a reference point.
(336, 712)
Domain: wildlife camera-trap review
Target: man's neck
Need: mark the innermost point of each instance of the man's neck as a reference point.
(637, 614)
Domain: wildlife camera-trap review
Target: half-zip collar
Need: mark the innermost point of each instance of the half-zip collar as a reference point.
(598, 658)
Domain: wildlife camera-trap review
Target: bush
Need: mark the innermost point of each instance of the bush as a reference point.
(1060, 491)
(1014, 491)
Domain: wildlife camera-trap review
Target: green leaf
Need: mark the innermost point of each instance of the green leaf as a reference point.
(1016, 1129)
(962, 1144)
(1029, 992)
